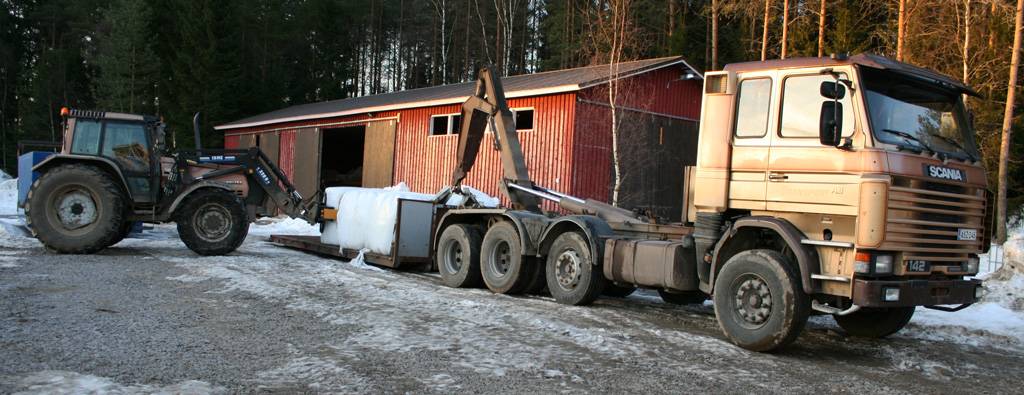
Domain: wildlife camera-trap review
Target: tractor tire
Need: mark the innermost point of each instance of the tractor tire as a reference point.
(683, 298)
(458, 256)
(212, 222)
(618, 291)
(572, 276)
(502, 264)
(75, 209)
(759, 302)
(126, 229)
(875, 323)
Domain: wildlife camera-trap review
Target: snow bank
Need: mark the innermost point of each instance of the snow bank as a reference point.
(283, 226)
(8, 195)
(484, 199)
(366, 216)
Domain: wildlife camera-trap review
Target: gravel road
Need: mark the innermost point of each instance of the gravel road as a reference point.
(148, 315)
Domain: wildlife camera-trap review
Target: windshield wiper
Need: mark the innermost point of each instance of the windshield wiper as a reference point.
(954, 143)
(911, 137)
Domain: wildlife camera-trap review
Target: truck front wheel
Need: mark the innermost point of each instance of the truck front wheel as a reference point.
(875, 323)
(570, 271)
(458, 256)
(76, 209)
(759, 302)
(212, 222)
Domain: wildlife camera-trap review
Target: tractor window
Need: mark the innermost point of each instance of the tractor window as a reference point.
(126, 144)
(87, 137)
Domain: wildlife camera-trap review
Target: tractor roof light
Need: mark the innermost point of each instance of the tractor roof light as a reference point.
(64, 111)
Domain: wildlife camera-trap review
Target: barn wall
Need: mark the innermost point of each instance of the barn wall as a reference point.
(653, 148)
(660, 91)
(425, 162)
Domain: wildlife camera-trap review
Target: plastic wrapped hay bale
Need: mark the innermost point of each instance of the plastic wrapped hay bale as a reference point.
(367, 217)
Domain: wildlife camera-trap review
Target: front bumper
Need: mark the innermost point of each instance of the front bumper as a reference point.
(870, 293)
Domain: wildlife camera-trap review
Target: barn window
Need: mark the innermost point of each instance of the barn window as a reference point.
(445, 124)
(524, 119)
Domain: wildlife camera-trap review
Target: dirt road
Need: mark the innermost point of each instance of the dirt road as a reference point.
(149, 315)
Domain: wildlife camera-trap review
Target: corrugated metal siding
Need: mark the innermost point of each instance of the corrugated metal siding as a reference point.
(425, 162)
(231, 142)
(659, 91)
(286, 158)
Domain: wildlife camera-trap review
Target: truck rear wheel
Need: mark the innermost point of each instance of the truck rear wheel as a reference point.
(212, 222)
(75, 209)
(571, 274)
(683, 298)
(875, 323)
(502, 265)
(759, 302)
(458, 256)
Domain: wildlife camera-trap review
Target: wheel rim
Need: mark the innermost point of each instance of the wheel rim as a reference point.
(212, 222)
(501, 258)
(76, 208)
(567, 269)
(453, 256)
(753, 300)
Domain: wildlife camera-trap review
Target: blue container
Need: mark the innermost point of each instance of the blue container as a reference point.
(25, 174)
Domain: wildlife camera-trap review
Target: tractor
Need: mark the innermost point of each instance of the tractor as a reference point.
(115, 169)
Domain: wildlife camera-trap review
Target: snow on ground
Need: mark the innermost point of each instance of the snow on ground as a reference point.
(62, 382)
(8, 195)
(283, 226)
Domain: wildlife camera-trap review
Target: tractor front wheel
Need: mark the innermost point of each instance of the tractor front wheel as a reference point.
(212, 222)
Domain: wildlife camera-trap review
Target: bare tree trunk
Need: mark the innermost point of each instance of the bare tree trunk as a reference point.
(714, 34)
(764, 34)
(821, 30)
(785, 26)
(620, 8)
(900, 31)
(967, 43)
(1004, 148)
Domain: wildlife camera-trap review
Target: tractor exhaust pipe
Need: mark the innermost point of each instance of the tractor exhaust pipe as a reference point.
(195, 128)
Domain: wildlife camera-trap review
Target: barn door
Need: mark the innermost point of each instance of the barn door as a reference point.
(270, 144)
(379, 154)
(246, 140)
(306, 166)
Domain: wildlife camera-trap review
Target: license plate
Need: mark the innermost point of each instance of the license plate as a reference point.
(919, 266)
(967, 234)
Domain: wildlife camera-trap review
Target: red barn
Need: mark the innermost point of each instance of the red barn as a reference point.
(563, 118)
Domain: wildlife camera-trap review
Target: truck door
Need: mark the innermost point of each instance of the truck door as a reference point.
(751, 141)
(803, 175)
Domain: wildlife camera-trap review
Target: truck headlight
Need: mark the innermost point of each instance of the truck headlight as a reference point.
(890, 294)
(883, 265)
(972, 265)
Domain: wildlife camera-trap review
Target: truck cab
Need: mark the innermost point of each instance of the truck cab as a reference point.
(874, 164)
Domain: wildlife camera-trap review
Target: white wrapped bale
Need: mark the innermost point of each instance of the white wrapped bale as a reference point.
(367, 217)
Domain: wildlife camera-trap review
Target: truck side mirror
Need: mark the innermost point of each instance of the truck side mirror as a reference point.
(833, 90)
(830, 123)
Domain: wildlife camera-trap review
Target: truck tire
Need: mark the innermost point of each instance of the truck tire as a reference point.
(212, 222)
(683, 298)
(75, 209)
(502, 265)
(618, 291)
(571, 274)
(875, 323)
(458, 256)
(759, 302)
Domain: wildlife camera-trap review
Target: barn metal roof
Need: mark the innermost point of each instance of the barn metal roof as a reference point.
(558, 81)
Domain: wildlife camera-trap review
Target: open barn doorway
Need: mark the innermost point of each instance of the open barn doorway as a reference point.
(341, 159)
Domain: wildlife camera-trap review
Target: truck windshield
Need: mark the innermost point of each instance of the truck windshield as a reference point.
(918, 115)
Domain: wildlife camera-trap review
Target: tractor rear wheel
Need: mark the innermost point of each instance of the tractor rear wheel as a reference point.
(75, 209)
(212, 222)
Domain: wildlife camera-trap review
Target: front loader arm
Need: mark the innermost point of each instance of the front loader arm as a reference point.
(486, 106)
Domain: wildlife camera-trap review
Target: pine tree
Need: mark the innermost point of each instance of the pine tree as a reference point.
(126, 64)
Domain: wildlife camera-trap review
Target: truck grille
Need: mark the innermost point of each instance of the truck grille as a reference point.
(925, 216)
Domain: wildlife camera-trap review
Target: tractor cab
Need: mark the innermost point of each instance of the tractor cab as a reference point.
(130, 144)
